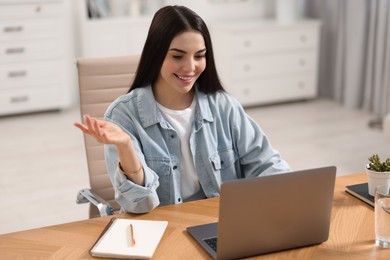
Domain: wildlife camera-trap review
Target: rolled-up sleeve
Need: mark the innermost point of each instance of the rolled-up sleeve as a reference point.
(131, 197)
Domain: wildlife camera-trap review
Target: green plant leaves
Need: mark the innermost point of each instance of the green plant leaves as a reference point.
(378, 166)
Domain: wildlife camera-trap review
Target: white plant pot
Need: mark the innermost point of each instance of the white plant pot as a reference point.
(375, 179)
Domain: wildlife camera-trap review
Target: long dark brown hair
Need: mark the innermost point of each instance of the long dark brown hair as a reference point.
(167, 23)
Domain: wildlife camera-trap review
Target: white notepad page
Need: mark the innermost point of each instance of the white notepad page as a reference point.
(115, 241)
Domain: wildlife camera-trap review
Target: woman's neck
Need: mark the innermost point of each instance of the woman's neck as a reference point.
(174, 101)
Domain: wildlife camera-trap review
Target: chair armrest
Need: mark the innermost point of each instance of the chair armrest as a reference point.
(86, 195)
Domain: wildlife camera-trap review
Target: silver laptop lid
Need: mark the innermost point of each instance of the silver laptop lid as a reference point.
(273, 213)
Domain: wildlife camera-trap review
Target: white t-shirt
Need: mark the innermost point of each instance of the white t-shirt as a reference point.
(182, 121)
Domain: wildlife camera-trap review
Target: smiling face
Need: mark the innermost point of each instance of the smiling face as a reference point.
(183, 64)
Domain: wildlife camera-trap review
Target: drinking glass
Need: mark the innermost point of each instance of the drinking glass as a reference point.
(382, 216)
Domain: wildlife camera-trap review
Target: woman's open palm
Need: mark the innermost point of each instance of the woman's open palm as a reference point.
(103, 131)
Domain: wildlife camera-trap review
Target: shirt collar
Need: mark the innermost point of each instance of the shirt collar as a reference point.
(150, 114)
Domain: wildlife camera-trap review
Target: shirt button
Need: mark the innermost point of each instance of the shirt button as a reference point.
(175, 167)
(172, 136)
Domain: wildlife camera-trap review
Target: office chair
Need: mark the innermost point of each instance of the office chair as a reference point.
(101, 81)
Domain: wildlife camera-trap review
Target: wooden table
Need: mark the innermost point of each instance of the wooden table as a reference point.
(351, 233)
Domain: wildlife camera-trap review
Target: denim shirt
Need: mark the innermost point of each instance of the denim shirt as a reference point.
(225, 143)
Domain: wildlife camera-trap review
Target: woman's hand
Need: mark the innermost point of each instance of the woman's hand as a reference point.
(109, 133)
(103, 131)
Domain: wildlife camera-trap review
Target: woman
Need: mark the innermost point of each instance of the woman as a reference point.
(177, 134)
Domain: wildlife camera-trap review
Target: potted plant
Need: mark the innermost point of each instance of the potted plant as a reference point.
(378, 173)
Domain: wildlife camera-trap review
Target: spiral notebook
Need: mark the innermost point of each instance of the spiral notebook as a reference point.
(114, 242)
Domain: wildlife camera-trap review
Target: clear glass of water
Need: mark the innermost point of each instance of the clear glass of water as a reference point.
(382, 216)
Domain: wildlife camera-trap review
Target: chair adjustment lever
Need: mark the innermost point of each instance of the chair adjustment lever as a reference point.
(86, 195)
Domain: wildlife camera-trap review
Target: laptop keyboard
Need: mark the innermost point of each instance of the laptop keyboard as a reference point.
(212, 242)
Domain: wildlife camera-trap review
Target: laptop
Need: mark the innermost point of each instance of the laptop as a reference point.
(271, 213)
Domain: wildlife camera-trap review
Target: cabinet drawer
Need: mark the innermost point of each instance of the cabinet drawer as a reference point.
(278, 40)
(262, 65)
(22, 100)
(268, 90)
(14, 75)
(12, 30)
(32, 49)
(33, 10)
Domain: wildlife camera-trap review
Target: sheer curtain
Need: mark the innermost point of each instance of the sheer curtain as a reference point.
(355, 52)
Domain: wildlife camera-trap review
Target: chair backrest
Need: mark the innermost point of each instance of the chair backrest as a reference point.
(101, 81)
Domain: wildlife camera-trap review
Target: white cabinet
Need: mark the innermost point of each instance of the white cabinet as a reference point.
(262, 62)
(33, 71)
(112, 35)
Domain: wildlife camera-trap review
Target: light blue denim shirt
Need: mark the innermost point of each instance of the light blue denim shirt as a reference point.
(225, 144)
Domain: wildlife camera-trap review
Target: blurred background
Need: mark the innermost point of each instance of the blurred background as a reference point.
(315, 75)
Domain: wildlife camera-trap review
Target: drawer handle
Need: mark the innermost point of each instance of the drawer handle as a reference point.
(38, 8)
(19, 99)
(14, 50)
(302, 62)
(247, 68)
(247, 43)
(12, 29)
(303, 38)
(17, 74)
